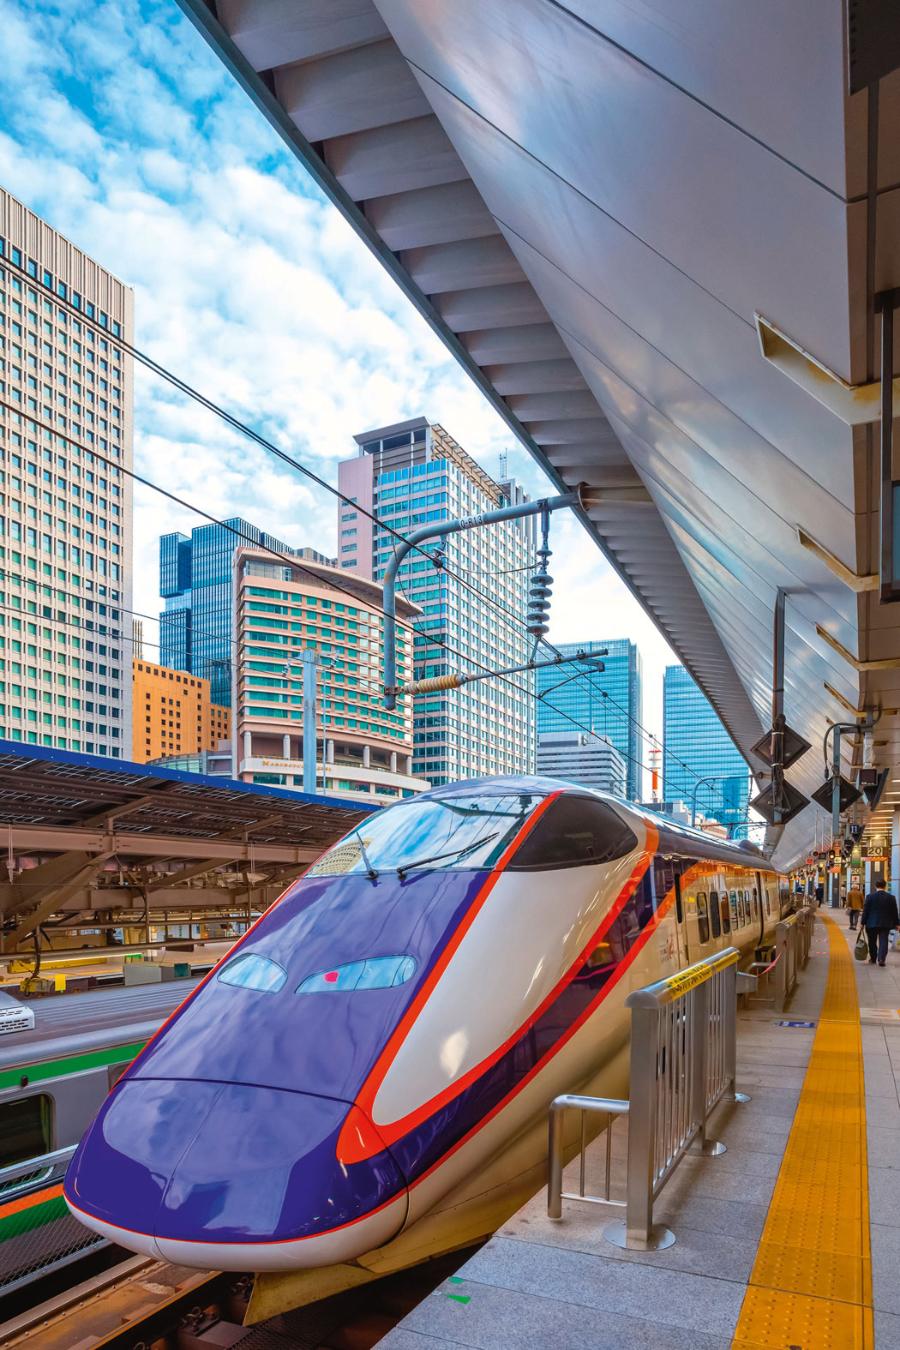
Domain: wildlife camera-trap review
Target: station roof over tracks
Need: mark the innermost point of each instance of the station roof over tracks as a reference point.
(73, 816)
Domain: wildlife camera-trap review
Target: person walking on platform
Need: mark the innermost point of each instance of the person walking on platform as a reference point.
(855, 900)
(879, 916)
(820, 893)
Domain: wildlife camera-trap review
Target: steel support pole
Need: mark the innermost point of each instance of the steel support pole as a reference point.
(730, 1033)
(439, 531)
(835, 877)
(885, 304)
(309, 720)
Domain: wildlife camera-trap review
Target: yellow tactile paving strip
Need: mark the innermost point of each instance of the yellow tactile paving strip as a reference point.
(811, 1284)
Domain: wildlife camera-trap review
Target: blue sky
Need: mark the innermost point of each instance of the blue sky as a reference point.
(122, 129)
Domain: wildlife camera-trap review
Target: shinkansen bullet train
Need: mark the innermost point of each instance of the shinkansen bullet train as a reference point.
(369, 1069)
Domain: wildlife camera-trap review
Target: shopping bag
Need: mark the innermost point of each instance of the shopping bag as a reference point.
(861, 950)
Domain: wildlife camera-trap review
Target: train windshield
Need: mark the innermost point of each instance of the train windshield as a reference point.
(460, 830)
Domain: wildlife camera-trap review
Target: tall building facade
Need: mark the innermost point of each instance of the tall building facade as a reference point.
(172, 713)
(697, 746)
(195, 580)
(362, 750)
(413, 474)
(66, 443)
(580, 758)
(608, 703)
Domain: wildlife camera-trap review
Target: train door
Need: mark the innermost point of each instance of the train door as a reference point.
(667, 892)
(759, 907)
(715, 914)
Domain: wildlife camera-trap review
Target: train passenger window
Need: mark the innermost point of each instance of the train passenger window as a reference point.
(26, 1130)
(723, 908)
(574, 831)
(768, 899)
(735, 920)
(745, 907)
(755, 903)
(251, 971)
(702, 917)
(378, 972)
(714, 914)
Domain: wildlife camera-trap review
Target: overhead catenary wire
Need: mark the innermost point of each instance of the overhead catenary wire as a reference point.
(243, 429)
(290, 561)
(175, 381)
(283, 558)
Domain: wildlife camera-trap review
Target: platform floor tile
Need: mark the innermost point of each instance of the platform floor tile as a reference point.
(773, 1247)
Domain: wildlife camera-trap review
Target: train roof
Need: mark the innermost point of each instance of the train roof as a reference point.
(673, 837)
(71, 1024)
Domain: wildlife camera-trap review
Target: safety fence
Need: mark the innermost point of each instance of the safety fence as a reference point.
(683, 1053)
(777, 975)
(37, 1232)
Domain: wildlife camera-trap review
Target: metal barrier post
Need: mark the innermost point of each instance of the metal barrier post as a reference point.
(570, 1101)
(782, 989)
(706, 1034)
(650, 1063)
(683, 1063)
(729, 1015)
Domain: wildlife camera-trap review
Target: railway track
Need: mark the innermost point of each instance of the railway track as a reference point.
(146, 1304)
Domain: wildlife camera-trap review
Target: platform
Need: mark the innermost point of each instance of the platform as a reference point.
(790, 1239)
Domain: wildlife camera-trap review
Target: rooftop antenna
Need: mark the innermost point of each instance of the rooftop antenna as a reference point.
(504, 465)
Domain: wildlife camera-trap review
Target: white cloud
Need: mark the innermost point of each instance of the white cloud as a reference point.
(125, 132)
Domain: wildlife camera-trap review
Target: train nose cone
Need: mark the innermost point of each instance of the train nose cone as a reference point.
(233, 1176)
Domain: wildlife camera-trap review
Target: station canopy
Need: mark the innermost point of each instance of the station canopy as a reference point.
(652, 235)
(84, 835)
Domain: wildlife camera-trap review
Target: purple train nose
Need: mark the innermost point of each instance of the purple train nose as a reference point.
(231, 1165)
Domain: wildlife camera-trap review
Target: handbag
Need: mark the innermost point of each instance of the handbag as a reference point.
(861, 950)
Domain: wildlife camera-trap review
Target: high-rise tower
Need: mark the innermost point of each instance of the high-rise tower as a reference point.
(66, 440)
(696, 746)
(412, 474)
(608, 702)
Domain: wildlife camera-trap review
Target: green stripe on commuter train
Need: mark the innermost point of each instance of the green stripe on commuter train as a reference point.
(57, 1068)
(44, 1212)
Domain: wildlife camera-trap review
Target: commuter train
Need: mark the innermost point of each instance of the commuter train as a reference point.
(53, 1080)
(369, 1069)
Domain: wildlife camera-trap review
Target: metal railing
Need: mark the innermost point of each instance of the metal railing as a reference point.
(683, 1052)
(41, 1236)
(793, 936)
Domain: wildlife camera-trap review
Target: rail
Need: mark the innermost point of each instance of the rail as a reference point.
(683, 1055)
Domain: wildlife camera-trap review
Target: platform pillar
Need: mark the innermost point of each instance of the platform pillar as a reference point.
(895, 854)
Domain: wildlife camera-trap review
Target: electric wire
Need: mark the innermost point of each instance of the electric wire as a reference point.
(242, 428)
(291, 562)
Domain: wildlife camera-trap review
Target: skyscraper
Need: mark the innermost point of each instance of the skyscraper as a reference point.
(579, 758)
(609, 702)
(195, 580)
(66, 441)
(412, 474)
(697, 746)
(281, 610)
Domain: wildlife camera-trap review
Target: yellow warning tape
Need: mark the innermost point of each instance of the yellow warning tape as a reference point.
(811, 1284)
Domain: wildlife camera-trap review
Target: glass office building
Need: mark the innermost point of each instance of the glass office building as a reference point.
(195, 580)
(609, 703)
(413, 474)
(697, 746)
(66, 446)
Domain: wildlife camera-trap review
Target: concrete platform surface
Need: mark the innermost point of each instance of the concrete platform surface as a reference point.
(541, 1284)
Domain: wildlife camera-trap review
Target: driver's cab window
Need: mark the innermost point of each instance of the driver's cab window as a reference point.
(572, 832)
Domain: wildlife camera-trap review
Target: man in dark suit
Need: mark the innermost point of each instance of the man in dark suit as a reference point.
(879, 916)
